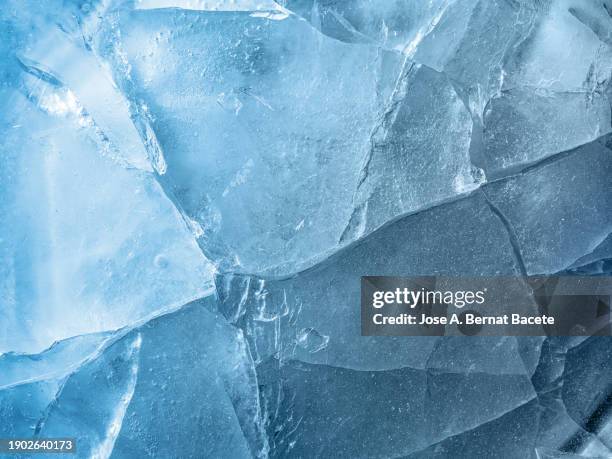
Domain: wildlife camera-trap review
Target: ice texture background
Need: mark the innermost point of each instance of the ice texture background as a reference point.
(191, 190)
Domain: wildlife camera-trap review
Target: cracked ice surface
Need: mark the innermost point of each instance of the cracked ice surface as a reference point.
(288, 132)
(477, 246)
(188, 366)
(298, 145)
(555, 199)
(89, 241)
(66, 264)
(513, 63)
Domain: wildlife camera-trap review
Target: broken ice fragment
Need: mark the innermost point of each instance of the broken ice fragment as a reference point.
(86, 245)
(53, 45)
(517, 129)
(23, 406)
(502, 57)
(548, 55)
(91, 405)
(419, 154)
(553, 93)
(586, 389)
(561, 210)
(188, 373)
(254, 115)
(30, 383)
(509, 435)
(598, 260)
(56, 362)
(409, 408)
(326, 298)
(393, 24)
(311, 340)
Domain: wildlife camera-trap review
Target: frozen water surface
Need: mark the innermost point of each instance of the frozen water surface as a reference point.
(551, 209)
(87, 243)
(187, 372)
(191, 190)
(319, 128)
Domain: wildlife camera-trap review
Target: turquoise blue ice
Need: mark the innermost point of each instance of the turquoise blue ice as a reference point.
(190, 191)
